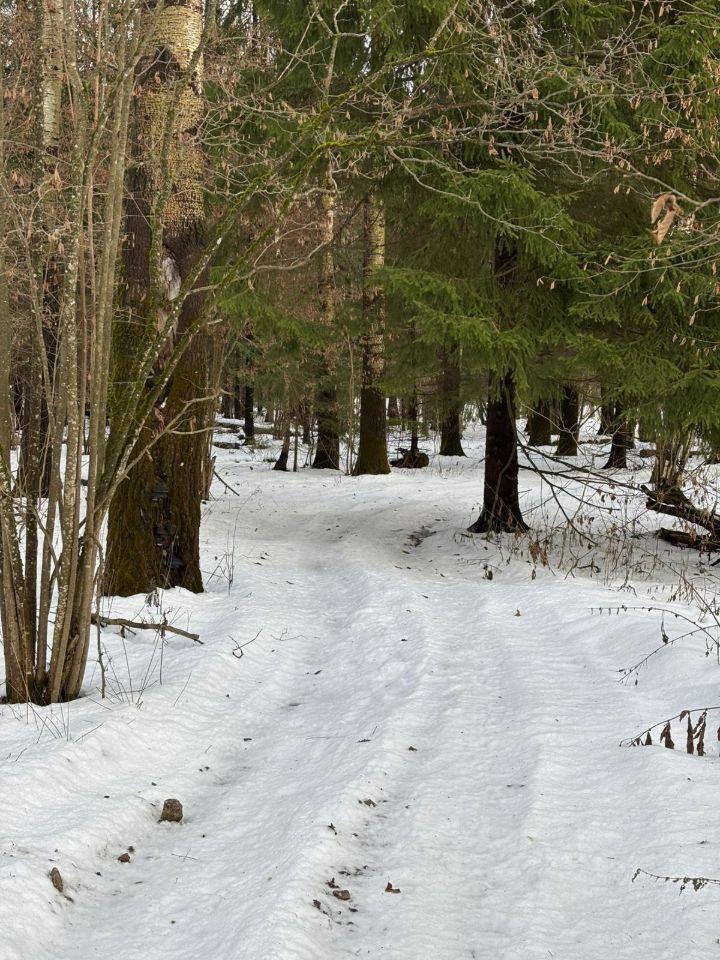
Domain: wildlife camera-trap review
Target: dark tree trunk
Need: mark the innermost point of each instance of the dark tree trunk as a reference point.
(327, 449)
(451, 431)
(282, 461)
(154, 523)
(183, 450)
(412, 457)
(413, 414)
(249, 415)
(501, 504)
(620, 441)
(131, 561)
(393, 408)
(606, 420)
(306, 417)
(228, 399)
(539, 427)
(238, 399)
(569, 422)
(372, 448)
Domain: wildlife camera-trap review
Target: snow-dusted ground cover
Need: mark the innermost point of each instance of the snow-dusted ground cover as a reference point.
(386, 706)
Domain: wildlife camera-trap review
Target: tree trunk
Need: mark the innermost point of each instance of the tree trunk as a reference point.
(672, 454)
(282, 461)
(228, 399)
(238, 399)
(167, 189)
(372, 451)
(539, 427)
(393, 408)
(606, 420)
(413, 415)
(501, 504)
(249, 415)
(569, 422)
(306, 418)
(620, 444)
(327, 449)
(451, 431)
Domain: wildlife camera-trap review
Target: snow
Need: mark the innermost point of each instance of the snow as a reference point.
(378, 699)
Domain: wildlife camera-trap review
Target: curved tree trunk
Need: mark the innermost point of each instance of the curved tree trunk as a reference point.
(501, 504)
(282, 461)
(372, 451)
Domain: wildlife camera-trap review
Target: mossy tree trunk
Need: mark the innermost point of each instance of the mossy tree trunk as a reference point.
(372, 451)
(154, 521)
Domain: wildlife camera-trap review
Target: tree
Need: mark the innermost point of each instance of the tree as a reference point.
(501, 505)
(451, 429)
(154, 521)
(372, 453)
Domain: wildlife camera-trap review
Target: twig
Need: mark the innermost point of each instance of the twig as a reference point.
(225, 484)
(697, 883)
(163, 627)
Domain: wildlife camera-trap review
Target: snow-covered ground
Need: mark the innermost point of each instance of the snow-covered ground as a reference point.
(386, 706)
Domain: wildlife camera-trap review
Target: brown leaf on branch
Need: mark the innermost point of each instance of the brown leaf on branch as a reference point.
(665, 205)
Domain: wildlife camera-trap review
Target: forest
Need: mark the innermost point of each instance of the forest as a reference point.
(359, 477)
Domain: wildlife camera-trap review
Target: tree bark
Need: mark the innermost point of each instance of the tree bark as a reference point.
(539, 427)
(249, 415)
(451, 430)
(569, 422)
(327, 449)
(620, 444)
(154, 522)
(501, 503)
(372, 451)
(282, 461)
(606, 419)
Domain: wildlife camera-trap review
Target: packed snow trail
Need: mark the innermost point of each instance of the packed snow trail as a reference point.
(400, 720)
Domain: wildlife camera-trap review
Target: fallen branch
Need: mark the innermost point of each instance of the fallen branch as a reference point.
(681, 539)
(676, 504)
(164, 627)
(225, 483)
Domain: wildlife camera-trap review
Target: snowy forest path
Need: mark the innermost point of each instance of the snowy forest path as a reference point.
(408, 759)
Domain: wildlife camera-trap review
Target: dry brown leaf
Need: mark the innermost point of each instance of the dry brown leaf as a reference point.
(667, 206)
